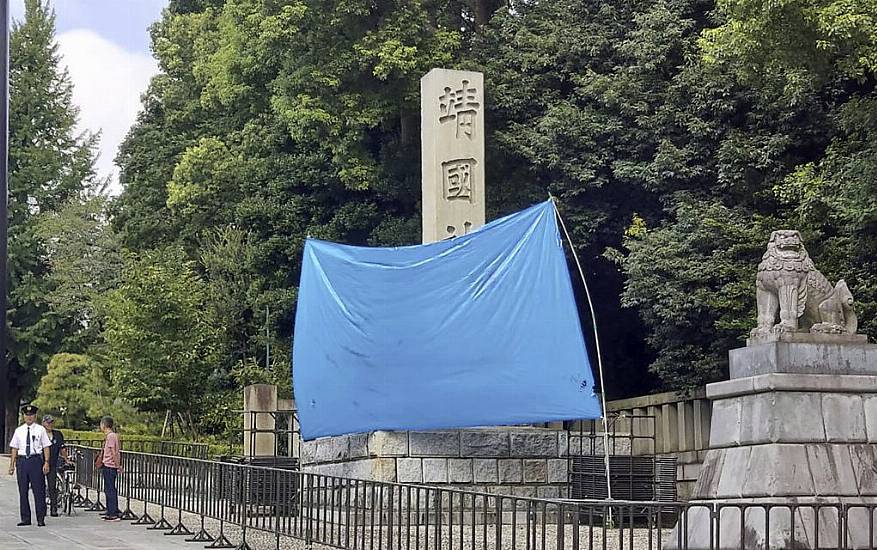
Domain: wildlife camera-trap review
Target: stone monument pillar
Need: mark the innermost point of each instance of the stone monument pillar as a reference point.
(452, 142)
(795, 426)
(260, 400)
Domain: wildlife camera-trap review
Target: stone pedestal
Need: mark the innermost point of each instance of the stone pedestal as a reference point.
(796, 424)
(260, 401)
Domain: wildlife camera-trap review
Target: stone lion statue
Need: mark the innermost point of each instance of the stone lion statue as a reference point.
(789, 284)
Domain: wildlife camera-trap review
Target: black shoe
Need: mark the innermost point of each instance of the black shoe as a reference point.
(112, 518)
(41, 524)
(23, 523)
(54, 514)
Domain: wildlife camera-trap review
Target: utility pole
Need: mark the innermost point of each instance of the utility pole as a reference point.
(4, 200)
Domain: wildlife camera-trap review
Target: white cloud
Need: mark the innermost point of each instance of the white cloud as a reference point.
(107, 84)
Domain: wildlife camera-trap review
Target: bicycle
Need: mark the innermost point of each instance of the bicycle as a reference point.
(66, 482)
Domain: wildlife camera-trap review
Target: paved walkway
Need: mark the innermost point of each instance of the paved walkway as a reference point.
(79, 531)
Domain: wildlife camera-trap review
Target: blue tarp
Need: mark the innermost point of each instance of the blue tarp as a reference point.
(478, 330)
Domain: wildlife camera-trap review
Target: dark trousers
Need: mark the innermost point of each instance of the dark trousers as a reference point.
(30, 477)
(110, 475)
(52, 487)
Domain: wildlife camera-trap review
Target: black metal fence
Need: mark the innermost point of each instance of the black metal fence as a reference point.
(650, 478)
(625, 434)
(169, 448)
(281, 435)
(635, 471)
(218, 503)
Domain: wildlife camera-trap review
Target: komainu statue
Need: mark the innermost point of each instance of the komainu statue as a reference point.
(789, 284)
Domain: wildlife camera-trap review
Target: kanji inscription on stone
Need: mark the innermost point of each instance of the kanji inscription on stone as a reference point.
(460, 106)
(457, 179)
(452, 160)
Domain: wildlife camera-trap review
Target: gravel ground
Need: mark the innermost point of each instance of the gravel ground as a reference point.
(541, 537)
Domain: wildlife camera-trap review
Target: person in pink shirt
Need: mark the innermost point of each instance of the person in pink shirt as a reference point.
(112, 467)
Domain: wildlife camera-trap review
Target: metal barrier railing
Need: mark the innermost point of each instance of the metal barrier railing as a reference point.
(359, 514)
(282, 437)
(627, 434)
(170, 448)
(635, 472)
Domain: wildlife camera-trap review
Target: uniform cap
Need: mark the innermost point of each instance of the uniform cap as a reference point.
(29, 409)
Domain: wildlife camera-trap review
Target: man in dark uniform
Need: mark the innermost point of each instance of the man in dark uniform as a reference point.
(30, 457)
(56, 452)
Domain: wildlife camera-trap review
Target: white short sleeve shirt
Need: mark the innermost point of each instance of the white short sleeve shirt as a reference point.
(39, 439)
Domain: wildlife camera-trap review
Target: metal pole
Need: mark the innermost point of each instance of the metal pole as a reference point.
(4, 197)
(599, 355)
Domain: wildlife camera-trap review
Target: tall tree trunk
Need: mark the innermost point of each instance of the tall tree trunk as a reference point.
(410, 128)
(167, 417)
(191, 422)
(4, 405)
(13, 398)
(10, 416)
(484, 10)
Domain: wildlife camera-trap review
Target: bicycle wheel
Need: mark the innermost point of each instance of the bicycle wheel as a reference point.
(67, 497)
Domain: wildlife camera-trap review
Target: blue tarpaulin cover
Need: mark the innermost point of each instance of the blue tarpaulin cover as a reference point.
(478, 330)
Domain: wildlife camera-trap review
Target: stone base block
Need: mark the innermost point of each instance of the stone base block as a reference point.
(809, 356)
(807, 522)
(781, 470)
(792, 462)
(807, 338)
(515, 461)
(794, 408)
(375, 469)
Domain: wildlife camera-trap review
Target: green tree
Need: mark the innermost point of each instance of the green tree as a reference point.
(285, 118)
(85, 261)
(776, 104)
(49, 163)
(807, 43)
(831, 50)
(74, 390)
(579, 97)
(160, 335)
(691, 280)
(675, 134)
(622, 111)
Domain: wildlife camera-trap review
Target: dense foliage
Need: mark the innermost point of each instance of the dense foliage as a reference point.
(675, 135)
(50, 166)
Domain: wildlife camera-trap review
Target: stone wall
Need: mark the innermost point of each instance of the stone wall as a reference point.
(518, 461)
(681, 428)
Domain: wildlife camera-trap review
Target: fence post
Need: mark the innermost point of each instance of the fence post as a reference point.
(143, 483)
(309, 530)
(125, 483)
(204, 495)
(248, 487)
(161, 490)
(97, 506)
(276, 484)
(83, 474)
(223, 499)
(181, 480)
(77, 497)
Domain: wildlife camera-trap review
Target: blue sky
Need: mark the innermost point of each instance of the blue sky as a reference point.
(123, 22)
(105, 46)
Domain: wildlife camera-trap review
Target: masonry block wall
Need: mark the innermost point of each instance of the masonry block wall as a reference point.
(516, 461)
(680, 426)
